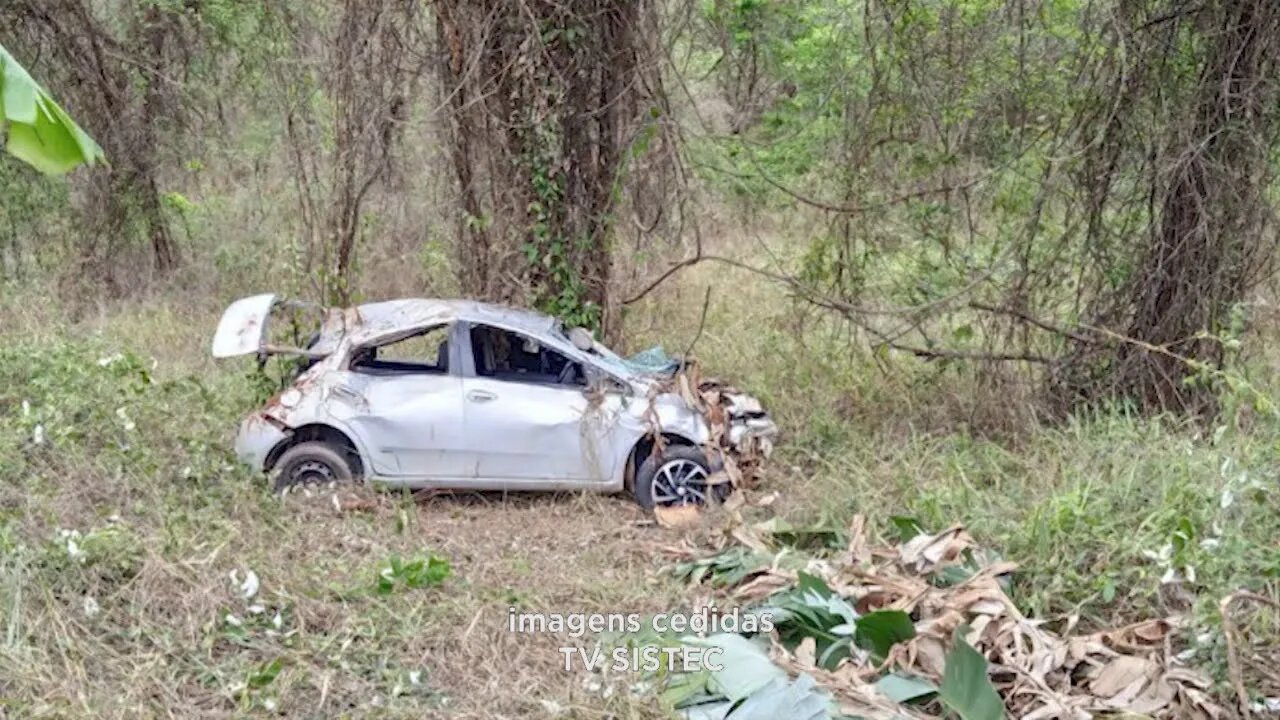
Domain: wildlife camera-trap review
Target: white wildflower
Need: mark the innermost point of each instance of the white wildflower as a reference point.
(249, 586)
(70, 540)
(1163, 556)
(90, 606)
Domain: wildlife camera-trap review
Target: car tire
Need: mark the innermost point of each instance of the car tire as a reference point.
(671, 478)
(312, 463)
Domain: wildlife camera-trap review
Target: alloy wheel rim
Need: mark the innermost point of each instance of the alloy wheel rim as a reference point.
(679, 482)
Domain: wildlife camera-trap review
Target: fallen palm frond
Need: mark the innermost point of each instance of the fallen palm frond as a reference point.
(925, 629)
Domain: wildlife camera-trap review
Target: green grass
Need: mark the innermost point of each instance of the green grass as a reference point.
(120, 529)
(1080, 508)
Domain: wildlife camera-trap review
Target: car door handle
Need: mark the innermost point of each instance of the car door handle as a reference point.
(481, 396)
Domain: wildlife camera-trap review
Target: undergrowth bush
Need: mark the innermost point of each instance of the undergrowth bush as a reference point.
(80, 401)
(1111, 519)
(132, 542)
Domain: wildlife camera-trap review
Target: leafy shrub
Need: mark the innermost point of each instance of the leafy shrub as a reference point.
(417, 573)
(79, 403)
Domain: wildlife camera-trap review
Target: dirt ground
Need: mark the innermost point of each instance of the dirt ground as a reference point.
(539, 553)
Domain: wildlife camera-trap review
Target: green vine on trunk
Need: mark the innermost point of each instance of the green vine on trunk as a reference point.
(550, 250)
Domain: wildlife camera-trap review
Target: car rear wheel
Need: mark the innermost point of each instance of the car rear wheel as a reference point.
(312, 463)
(677, 477)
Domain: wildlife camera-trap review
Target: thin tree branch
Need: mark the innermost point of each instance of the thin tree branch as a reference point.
(934, 354)
(702, 324)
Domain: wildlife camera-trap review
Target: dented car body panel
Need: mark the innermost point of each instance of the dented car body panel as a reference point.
(495, 398)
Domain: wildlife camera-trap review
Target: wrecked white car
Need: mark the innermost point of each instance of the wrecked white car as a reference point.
(454, 394)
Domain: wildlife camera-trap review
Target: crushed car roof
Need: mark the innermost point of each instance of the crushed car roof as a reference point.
(243, 327)
(391, 315)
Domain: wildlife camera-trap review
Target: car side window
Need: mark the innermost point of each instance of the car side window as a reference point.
(504, 355)
(424, 351)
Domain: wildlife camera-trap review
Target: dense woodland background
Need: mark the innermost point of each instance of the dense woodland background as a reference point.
(1079, 190)
(1000, 262)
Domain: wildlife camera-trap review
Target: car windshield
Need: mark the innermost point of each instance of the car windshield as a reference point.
(653, 361)
(610, 360)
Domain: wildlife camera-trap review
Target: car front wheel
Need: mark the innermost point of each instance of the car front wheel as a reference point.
(311, 463)
(677, 476)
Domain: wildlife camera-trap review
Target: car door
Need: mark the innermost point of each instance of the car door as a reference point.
(525, 421)
(405, 403)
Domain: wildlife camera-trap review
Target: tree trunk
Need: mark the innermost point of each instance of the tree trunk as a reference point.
(544, 99)
(1210, 248)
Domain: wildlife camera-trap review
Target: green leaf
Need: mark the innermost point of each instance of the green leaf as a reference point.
(683, 690)
(966, 689)
(951, 575)
(877, 632)
(1108, 590)
(745, 666)
(797, 700)
(39, 132)
(418, 573)
(264, 675)
(904, 688)
(812, 610)
(727, 568)
(836, 651)
(907, 527)
(717, 710)
(806, 538)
